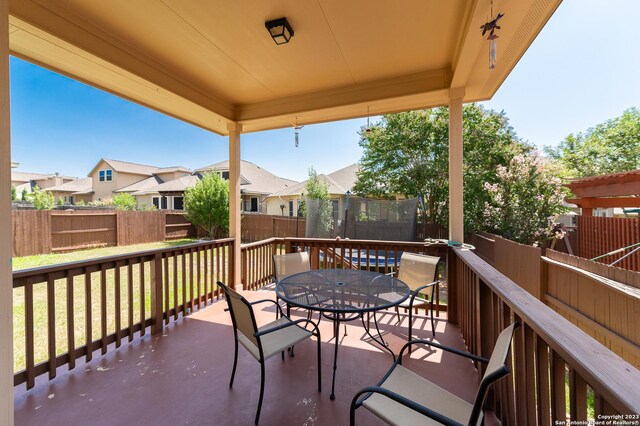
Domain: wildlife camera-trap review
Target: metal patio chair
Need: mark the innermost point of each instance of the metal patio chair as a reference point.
(289, 264)
(419, 272)
(404, 398)
(266, 341)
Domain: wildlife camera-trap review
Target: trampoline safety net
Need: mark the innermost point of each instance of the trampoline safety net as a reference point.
(364, 219)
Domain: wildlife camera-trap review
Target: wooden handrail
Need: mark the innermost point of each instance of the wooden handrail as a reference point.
(608, 374)
(108, 259)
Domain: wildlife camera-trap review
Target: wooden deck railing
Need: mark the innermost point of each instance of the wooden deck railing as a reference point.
(548, 353)
(80, 307)
(382, 256)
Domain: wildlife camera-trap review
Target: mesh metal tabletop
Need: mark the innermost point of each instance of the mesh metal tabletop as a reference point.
(342, 290)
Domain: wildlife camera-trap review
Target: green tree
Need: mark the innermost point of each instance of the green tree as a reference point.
(24, 195)
(60, 201)
(13, 193)
(525, 200)
(609, 147)
(407, 153)
(207, 204)
(42, 200)
(318, 204)
(124, 201)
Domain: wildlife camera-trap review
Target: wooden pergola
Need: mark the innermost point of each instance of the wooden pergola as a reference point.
(606, 191)
(212, 63)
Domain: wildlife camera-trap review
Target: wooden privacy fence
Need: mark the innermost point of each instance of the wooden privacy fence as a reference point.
(42, 232)
(257, 227)
(603, 301)
(545, 348)
(600, 235)
(92, 304)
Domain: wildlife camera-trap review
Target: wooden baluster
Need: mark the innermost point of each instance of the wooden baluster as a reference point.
(191, 282)
(71, 343)
(558, 395)
(29, 330)
(578, 396)
(88, 315)
(156, 290)
(529, 347)
(118, 304)
(130, 296)
(143, 328)
(520, 372)
(184, 283)
(51, 325)
(103, 309)
(544, 395)
(175, 286)
(166, 285)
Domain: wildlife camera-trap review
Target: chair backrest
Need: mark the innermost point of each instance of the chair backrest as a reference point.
(241, 313)
(496, 369)
(292, 263)
(417, 269)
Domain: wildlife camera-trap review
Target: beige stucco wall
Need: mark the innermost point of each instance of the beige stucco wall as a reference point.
(103, 190)
(166, 177)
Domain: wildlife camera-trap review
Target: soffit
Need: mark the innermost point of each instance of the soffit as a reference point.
(211, 62)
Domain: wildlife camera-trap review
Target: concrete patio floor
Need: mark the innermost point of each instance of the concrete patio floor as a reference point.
(182, 376)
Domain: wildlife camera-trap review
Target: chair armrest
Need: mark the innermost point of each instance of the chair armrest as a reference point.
(289, 324)
(415, 292)
(404, 401)
(268, 300)
(445, 348)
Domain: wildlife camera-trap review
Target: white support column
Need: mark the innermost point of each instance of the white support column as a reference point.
(234, 200)
(6, 245)
(456, 213)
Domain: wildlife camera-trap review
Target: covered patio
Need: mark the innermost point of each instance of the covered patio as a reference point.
(182, 376)
(213, 64)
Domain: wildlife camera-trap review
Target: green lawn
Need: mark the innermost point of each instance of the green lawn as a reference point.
(27, 262)
(79, 301)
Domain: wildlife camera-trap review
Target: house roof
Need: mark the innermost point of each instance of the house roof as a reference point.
(141, 185)
(338, 182)
(175, 185)
(28, 177)
(254, 179)
(126, 167)
(212, 62)
(78, 186)
(137, 169)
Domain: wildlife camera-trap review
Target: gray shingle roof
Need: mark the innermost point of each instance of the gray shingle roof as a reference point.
(256, 180)
(141, 185)
(338, 182)
(79, 185)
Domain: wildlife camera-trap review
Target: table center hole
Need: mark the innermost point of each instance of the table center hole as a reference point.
(340, 284)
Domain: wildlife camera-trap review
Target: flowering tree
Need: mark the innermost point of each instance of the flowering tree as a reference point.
(524, 201)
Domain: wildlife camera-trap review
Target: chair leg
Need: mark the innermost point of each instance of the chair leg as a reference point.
(433, 322)
(410, 326)
(352, 412)
(398, 314)
(319, 364)
(261, 391)
(235, 363)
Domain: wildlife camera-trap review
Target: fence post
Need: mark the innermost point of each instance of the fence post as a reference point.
(157, 314)
(452, 287)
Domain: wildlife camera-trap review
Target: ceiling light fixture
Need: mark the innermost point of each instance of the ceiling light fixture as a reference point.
(280, 30)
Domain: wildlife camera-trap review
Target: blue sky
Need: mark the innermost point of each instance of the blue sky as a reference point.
(581, 70)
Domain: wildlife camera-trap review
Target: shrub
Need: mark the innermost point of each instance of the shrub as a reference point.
(207, 204)
(13, 193)
(24, 195)
(80, 203)
(124, 201)
(42, 200)
(60, 201)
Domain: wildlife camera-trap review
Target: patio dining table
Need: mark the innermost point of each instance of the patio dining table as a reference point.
(344, 295)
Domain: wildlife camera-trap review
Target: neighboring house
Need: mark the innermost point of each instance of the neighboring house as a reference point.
(73, 191)
(111, 177)
(167, 195)
(286, 202)
(27, 181)
(256, 184)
